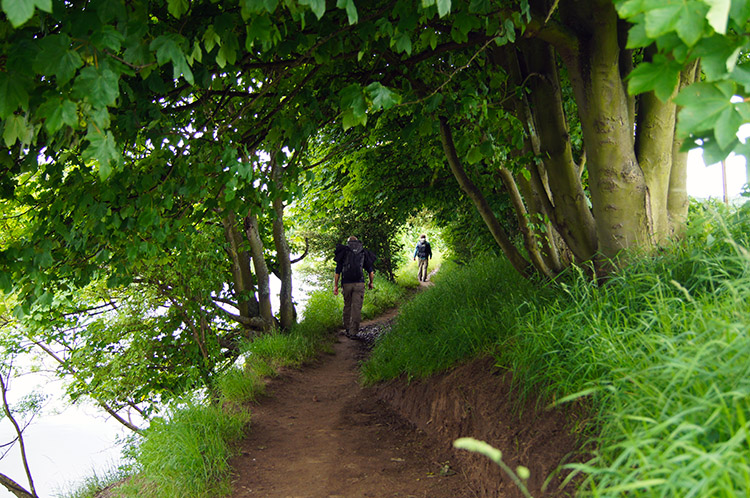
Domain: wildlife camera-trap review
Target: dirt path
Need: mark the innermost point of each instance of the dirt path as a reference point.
(320, 435)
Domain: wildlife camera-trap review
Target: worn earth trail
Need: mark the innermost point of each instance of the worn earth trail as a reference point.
(319, 434)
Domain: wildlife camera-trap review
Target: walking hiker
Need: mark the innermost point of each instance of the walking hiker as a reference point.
(350, 260)
(423, 251)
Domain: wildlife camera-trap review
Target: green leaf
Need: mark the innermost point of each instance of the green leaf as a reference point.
(20, 11)
(58, 112)
(56, 58)
(691, 22)
(718, 14)
(108, 38)
(382, 97)
(103, 148)
(16, 128)
(719, 56)
(403, 43)
(444, 7)
(168, 48)
(98, 86)
(350, 119)
(261, 28)
(318, 7)
(662, 76)
(702, 106)
(662, 21)
(352, 98)
(637, 37)
(351, 10)
(727, 126)
(474, 155)
(13, 94)
(178, 7)
(630, 8)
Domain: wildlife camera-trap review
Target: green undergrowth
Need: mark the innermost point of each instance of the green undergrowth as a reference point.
(468, 310)
(186, 452)
(659, 355)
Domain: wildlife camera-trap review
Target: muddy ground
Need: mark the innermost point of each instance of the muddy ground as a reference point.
(319, 434)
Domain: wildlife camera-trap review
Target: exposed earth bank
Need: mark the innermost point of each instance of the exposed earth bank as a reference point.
(318, 434)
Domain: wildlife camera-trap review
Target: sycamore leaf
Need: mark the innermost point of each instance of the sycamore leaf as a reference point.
(662, 21)
(350, 119)
(16, 128)
(727, 127)
(178, 7)
(403, 43)
(444, 7)
(169, 49)
(98, 86)
(718, 14)
(703, 104)
(107, 37)
(13, 94)
(317, 6)
(20, 11)
(103, 148)
(662, 76)
(58, 112)
(56, 58)
(382, 97)
(630, 8)
(352, 98)
(474, 155)
(427, 3)
(351, 10)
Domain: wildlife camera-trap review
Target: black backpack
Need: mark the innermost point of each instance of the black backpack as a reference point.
(353, 263)
(422, 250)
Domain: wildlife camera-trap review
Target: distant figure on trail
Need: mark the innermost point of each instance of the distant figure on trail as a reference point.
(423, 251)
(350, 260)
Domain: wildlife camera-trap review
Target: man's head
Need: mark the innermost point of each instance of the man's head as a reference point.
(423, 237)
(351, 238)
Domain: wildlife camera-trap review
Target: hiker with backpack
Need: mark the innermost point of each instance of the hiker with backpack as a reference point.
(350, 260)
(423, 251)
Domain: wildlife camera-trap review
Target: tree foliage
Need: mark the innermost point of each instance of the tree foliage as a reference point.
(150, 149)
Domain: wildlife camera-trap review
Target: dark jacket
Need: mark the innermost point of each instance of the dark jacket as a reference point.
(426, 252)
(353, 247)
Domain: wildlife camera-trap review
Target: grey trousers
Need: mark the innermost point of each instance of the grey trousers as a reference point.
(354, 294)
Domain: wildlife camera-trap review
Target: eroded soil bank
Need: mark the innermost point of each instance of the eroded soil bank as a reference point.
(475, 400)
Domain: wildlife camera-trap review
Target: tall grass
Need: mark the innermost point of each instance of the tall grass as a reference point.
(660, 355)
(468, 310)
(186, 454)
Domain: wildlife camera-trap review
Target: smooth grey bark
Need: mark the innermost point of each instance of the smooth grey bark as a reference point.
(522, 217)
(287, 315)
(242, 277)
(570, 212)
(261, 269)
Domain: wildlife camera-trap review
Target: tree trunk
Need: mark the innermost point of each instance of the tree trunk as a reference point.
(516, 259)
(530, 240)
(678, 201)
(261, 269)
(619, 195)
(571, 214)
(242, 277)
(287, 315)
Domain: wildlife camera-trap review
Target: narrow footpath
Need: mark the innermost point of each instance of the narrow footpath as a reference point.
(318, 434)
